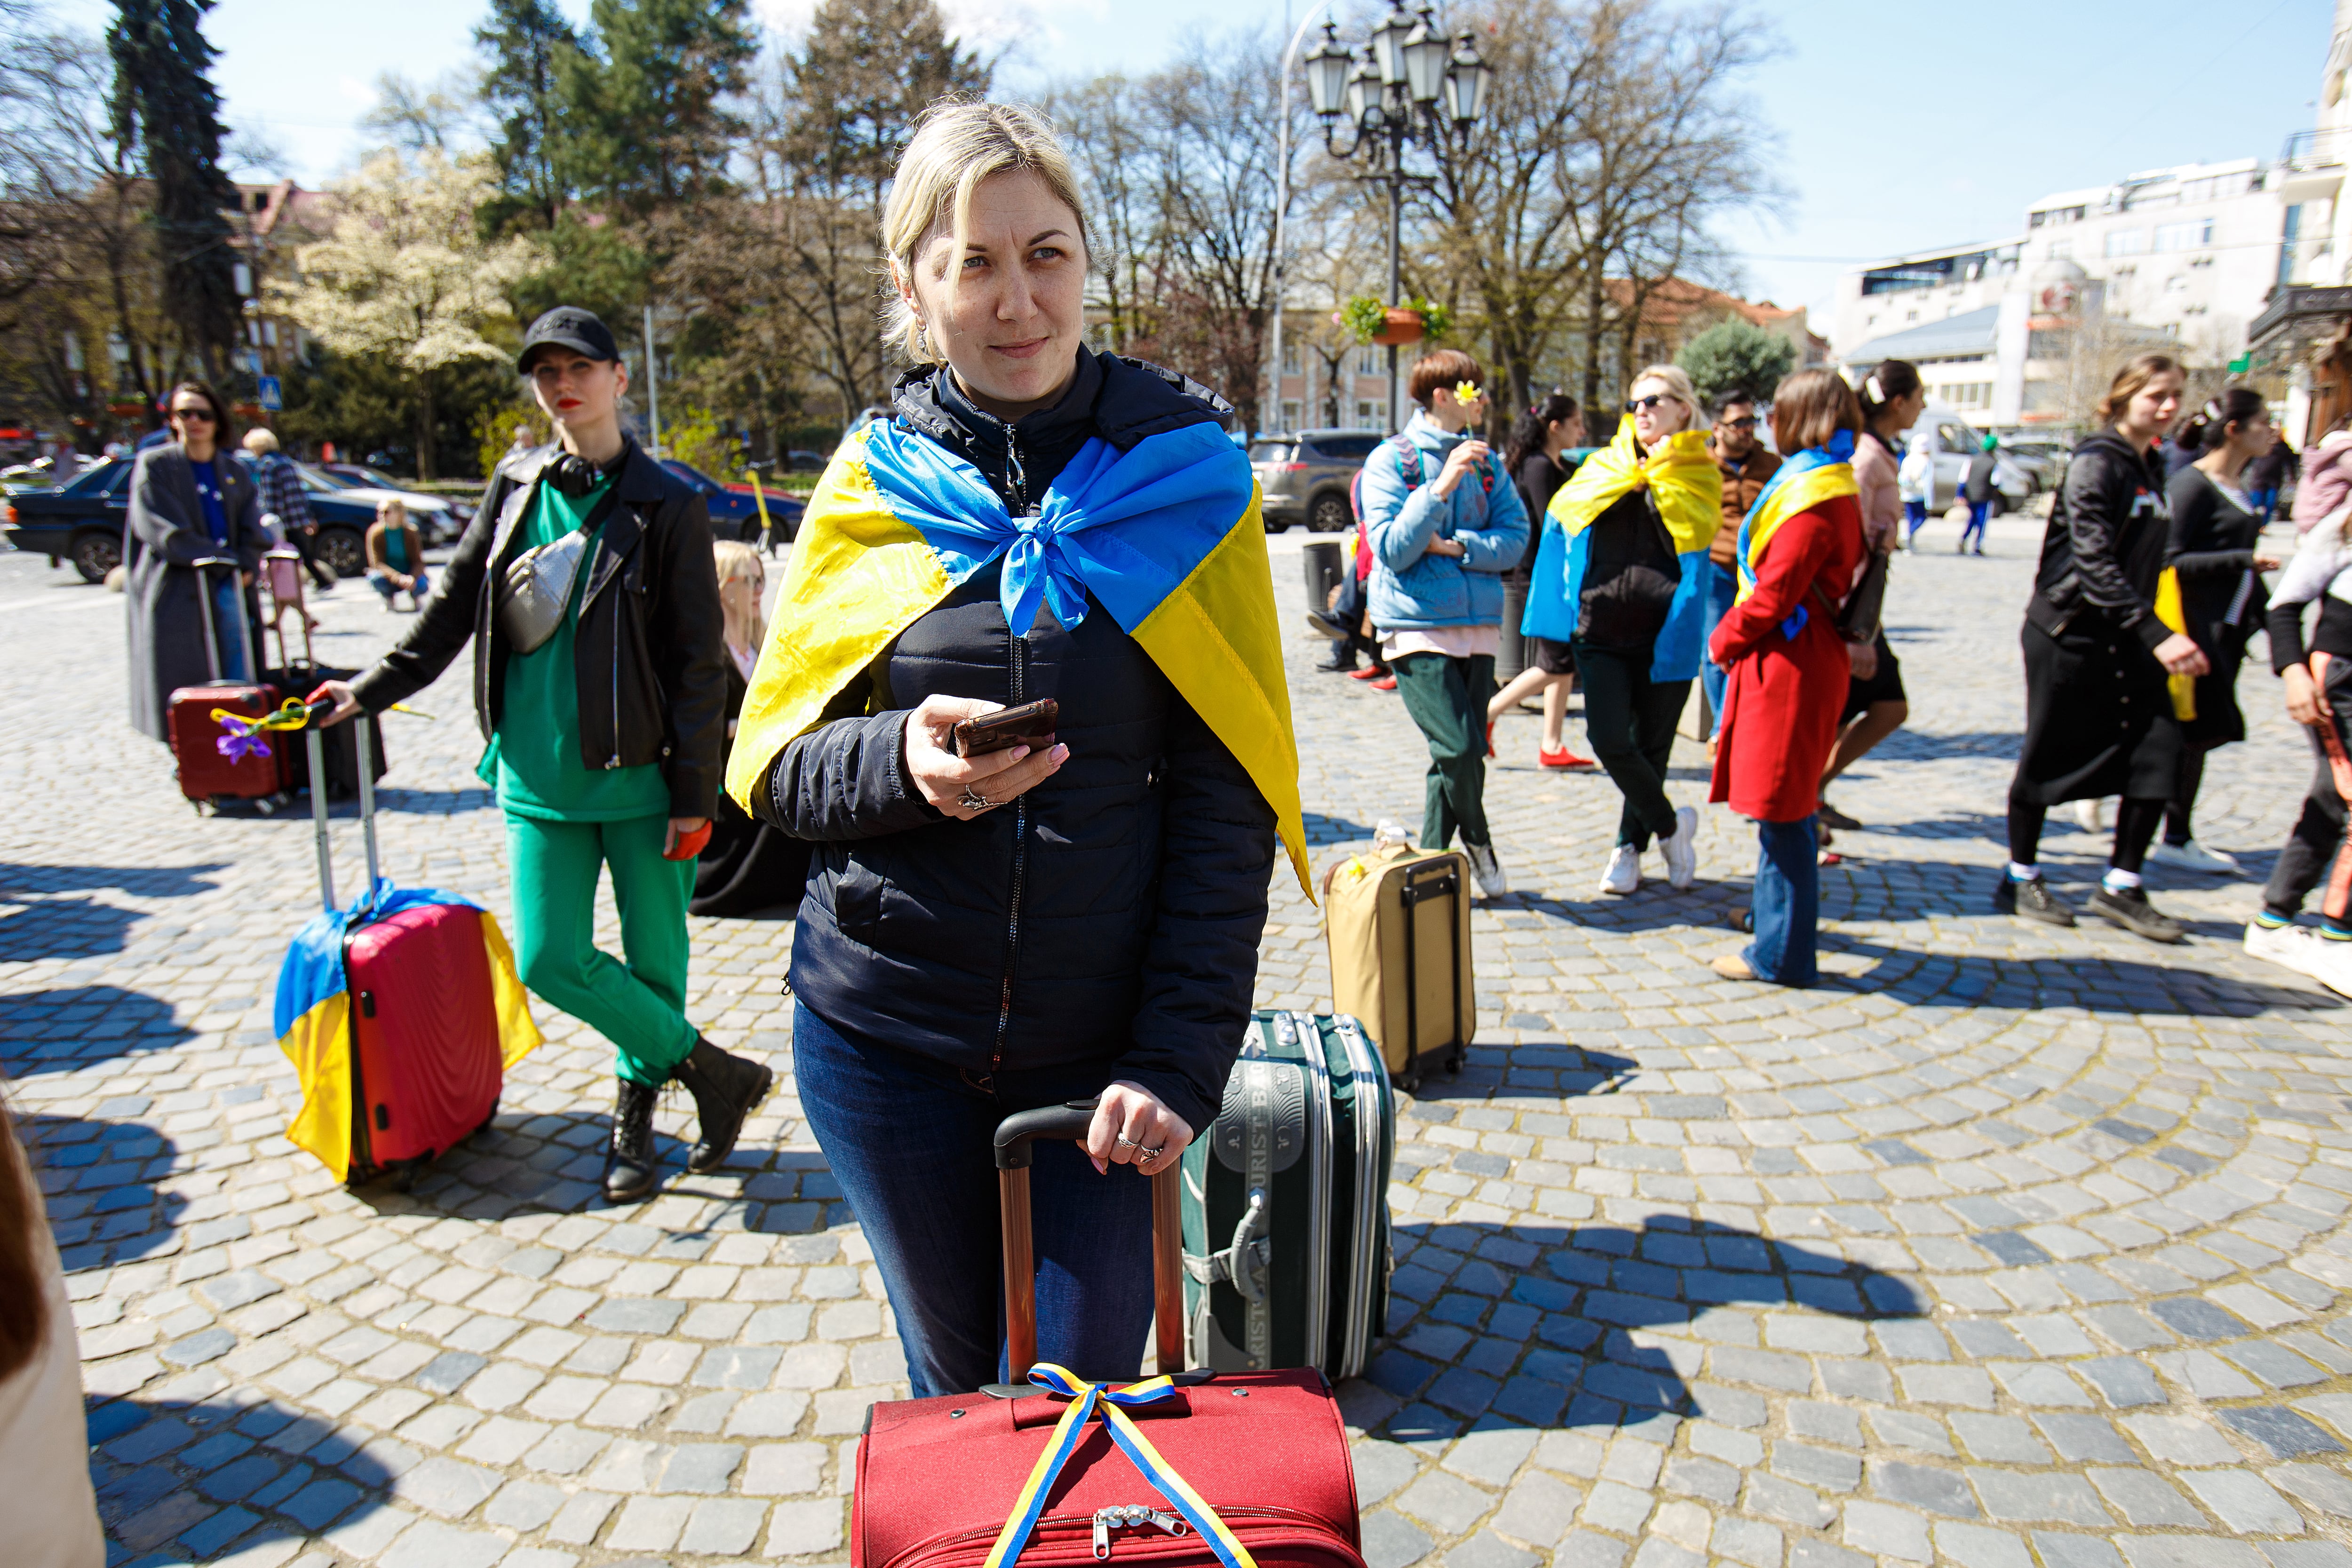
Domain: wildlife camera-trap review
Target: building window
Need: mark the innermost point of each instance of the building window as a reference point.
(1968, 394)
(1290, 359)
(2060, 249)
(1290, 414)
(2127, 242)
(1367, 361)
(1368, 414)
(2186, 236)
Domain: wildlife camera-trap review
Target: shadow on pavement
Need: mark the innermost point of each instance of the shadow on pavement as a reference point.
(144, 881)
(1322, 829)
(208, 1476)
(98, 1176)
(58, 1031)
(1468, 1298)
(2098, 984)
(46, 922)
(1527, 1071)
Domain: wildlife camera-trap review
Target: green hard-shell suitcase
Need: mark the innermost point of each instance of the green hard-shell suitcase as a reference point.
(1286, 1203)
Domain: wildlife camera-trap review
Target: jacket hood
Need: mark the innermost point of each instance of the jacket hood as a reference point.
(1430, 435)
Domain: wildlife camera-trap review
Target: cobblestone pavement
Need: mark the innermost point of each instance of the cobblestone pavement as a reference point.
(2005, 1245)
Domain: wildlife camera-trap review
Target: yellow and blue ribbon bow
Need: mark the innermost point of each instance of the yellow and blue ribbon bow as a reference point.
(1805, 480)
(1086, 1398)
(240, 736)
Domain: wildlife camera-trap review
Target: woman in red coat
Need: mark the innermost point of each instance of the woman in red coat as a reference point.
(1800, 549)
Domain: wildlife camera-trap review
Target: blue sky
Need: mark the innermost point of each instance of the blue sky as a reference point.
(1900, 125)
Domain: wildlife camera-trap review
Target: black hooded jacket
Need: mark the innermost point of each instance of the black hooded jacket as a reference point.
(2104, 547)
(1112, 915)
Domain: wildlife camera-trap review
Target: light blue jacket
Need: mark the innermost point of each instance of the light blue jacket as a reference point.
(1412, 589)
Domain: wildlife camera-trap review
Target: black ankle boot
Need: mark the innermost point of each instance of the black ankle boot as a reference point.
(726, 1089)
(633, 1170)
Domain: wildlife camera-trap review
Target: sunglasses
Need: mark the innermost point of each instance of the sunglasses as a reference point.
(1635, 404)
(1746, 423)
(185, 414)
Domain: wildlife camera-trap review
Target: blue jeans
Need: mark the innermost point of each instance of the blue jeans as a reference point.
(1915, 518)
(2265, 502)
(381, 583)
(1787, 903)
(911, 1139)
(1722, 587)
(1978, 511)
(228, 610)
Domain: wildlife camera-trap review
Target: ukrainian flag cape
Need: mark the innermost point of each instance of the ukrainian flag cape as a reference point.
(1811, 477)
(1681, 478)
(1166, 536)
(313, 1015)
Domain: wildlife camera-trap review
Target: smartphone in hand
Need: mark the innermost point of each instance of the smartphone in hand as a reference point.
(1031, 724)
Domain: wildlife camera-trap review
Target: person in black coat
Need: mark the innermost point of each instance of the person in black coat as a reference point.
(190, 502)
(986, 935)
(2210, 554)
(2099, 717)
(748, 866)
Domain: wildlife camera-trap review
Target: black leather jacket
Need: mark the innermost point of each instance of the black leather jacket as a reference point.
(648, 654)
(2104, 547)
(1111, 915)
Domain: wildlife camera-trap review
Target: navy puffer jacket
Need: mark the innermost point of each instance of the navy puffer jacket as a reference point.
(1112, 915)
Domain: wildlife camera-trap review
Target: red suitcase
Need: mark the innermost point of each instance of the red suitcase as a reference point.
(1266, 1451)
(426, 1063)
(212, 764)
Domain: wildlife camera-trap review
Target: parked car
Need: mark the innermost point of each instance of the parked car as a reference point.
(439, 520)
(2044, 457)
(734, 509)
(1955, 441)
(83, 522)
(1305, 478)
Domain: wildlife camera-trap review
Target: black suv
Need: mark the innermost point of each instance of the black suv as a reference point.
(83, 522)
(1305, 478)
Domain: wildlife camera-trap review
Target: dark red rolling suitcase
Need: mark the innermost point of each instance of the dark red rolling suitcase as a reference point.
(426, 1058)
(212, 764)
(1265, 1452)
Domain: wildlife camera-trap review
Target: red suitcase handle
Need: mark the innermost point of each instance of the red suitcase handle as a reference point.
(1068, 1123)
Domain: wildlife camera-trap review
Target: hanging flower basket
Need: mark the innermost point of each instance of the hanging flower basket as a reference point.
(1374, 322)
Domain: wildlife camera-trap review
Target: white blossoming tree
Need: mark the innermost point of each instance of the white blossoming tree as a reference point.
(406, 276)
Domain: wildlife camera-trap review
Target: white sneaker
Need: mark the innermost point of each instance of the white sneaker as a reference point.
(1624, 873)
(1682, 850)
(2087, 815)
(2331, 965)
(1487, 869)
(2193, 856)
(2289, 946)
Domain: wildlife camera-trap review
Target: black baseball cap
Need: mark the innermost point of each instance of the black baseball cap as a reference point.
(569, 326)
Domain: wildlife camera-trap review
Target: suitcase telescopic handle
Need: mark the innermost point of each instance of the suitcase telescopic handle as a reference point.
(315, 749)
(1068, 1123)
(201, 565)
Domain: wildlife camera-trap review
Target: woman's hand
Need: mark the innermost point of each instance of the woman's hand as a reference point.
(2267, 563)
(2180, 655)
(1446, 547)
(2305, 703)
(1458, 464)
(1131, 1127)
(346, 704)
(1863, 657)
(947, 780)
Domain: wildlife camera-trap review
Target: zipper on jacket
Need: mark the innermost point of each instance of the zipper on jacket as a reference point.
(1020, 865)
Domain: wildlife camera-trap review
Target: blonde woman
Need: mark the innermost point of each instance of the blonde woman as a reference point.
(395, 556)
(748, 867)
(1623, 578)
(1075, 914)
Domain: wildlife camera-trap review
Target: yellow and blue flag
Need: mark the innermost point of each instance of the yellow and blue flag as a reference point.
(1683, 479)
(312, 1012)
(1805, 480)
(1167, 536)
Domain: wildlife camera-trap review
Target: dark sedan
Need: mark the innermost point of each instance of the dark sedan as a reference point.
(735, 511)
(83, 524)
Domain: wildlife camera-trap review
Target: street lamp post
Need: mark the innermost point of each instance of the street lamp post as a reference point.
(1404, 86)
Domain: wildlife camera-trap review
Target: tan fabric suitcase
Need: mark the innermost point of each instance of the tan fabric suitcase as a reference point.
(1397, 920)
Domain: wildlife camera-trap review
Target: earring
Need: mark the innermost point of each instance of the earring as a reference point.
(922, 341)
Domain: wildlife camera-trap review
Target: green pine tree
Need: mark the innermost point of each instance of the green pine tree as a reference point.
(166, 121)
(1736, 354)
(646, 117)
(524, 45)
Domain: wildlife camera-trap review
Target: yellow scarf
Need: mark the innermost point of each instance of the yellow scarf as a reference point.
(1681, 475)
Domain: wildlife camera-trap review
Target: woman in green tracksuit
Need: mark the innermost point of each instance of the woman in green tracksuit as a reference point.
(601, 690)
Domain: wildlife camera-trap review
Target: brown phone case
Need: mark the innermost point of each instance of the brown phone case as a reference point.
(1031, 724)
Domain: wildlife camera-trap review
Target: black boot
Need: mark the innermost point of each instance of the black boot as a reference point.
(726, 1089)
(634, 1167)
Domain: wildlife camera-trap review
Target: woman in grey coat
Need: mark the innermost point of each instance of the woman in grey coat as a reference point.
(189, 499)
